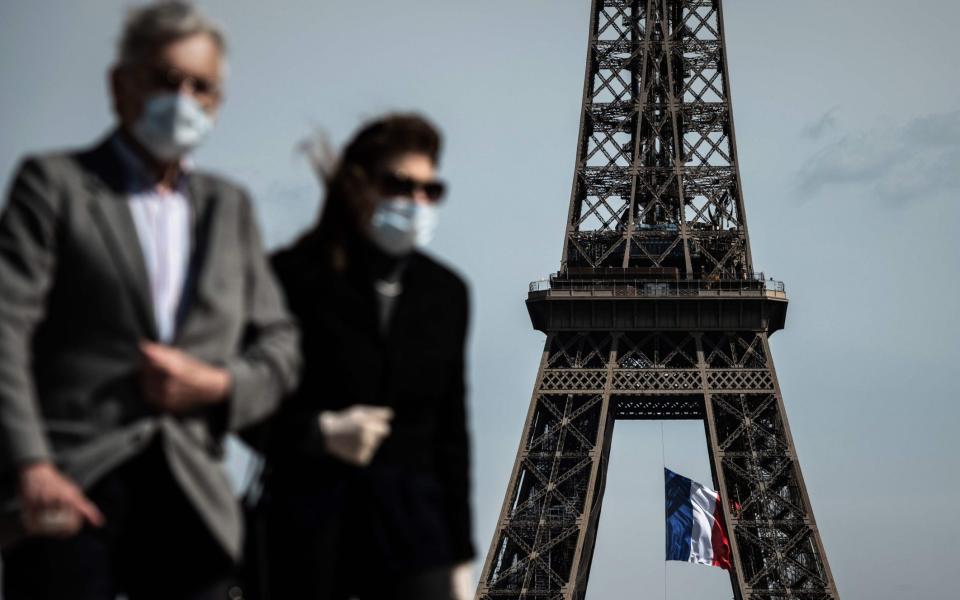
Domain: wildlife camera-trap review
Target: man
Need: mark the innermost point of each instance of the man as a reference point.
(139, 323)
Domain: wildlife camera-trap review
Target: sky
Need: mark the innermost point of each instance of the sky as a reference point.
(848, 124)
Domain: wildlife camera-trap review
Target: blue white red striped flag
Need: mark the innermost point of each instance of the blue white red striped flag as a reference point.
(695, 529)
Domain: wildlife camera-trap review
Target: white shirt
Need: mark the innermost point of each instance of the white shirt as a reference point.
(162, 219)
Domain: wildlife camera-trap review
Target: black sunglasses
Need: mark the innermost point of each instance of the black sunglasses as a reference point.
(392, 184)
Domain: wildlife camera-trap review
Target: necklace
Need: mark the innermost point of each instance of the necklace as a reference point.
(390, 289)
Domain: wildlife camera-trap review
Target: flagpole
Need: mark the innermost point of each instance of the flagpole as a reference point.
(663, 465)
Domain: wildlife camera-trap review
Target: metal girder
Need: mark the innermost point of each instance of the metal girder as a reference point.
(656, 159)
(656, 314)
(547, 529)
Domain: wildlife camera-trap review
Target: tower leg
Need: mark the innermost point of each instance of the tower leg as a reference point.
(777, 551)
(545, 536)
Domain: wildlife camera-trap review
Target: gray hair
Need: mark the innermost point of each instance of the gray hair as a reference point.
(153, 26)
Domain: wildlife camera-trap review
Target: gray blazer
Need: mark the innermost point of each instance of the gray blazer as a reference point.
(75, 302)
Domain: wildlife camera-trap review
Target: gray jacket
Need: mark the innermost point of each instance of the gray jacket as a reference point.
(75, 302)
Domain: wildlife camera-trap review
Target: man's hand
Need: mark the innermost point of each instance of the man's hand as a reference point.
(354, 434)
(461, 581)
(175, 382)
(52, 504)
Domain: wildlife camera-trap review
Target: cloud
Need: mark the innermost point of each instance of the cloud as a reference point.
(826, 123)
(901, 163)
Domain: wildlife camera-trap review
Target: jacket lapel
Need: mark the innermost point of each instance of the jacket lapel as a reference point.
(202, 239)
(112, 215)
(407, 304)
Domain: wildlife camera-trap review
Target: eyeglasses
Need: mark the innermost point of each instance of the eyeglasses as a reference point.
(393, 184)
(172, 80)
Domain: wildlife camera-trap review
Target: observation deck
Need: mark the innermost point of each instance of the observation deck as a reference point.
(622, 300)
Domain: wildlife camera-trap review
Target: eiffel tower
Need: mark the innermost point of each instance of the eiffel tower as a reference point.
(656, 313)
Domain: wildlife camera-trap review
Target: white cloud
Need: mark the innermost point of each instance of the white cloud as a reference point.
(901, 163)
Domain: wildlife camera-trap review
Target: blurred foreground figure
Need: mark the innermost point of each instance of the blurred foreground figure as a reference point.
(368, 466)
(139, 323)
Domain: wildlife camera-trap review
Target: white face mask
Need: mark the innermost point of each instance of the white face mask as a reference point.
(172, 125)
(399, 225)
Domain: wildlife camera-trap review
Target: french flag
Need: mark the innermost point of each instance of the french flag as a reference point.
(695, 530)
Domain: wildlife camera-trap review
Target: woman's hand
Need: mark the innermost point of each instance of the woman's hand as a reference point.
(461, 581)
(354, 434)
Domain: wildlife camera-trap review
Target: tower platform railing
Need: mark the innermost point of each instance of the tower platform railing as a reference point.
(752, 285)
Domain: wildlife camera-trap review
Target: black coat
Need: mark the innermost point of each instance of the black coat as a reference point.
(409, 509)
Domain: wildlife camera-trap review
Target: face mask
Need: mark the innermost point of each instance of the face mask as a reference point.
(399, 225)
(172, 125)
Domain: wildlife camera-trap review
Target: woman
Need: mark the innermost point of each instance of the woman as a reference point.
(368, 465)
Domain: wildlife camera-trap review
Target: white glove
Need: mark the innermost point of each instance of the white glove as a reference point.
(354, 434)
(461, 581)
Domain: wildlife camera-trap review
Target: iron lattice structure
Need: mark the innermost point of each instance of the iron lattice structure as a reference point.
(656, 314)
